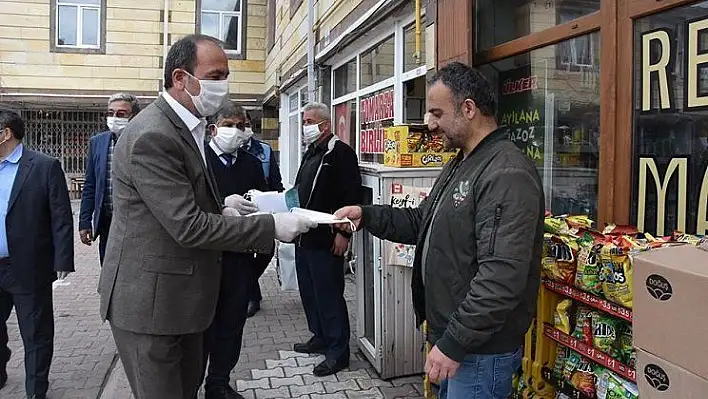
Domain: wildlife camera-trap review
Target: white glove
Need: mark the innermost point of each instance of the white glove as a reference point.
(229, 212)
(288, 226)
(240, 204)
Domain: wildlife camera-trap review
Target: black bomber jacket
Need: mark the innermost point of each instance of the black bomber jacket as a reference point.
(482, 271)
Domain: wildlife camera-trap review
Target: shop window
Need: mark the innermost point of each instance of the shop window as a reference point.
(375, 114)
(345, 122)
(224, 20)
(414, 92)
(345, 79)
(670, 121)
(78, 26)
(377, 63)
(409, 60)
(553, 115)
(498, 22)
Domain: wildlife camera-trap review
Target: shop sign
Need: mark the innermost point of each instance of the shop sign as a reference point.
(522, 111)
(671, 191)
(376, 113)
(660, 68)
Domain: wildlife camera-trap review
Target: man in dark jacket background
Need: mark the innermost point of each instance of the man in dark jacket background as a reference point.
(328, 179)
(479, 239)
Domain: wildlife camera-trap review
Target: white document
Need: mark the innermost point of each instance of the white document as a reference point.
(273, 201)
(321, 217)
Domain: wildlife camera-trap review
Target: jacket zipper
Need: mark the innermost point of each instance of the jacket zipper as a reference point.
(495, 227)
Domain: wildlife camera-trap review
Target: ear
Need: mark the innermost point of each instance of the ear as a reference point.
(469, 108)
(179, 79)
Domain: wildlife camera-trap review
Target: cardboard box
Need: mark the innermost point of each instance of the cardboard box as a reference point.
(670, 295)
(659, 379)
(414, 146)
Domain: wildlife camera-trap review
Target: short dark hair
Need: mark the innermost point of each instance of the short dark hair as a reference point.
(466, 82)
(231, 110)
(13, 120)
(183, 55)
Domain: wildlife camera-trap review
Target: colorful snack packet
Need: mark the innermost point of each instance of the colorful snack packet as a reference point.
(587, 275)
(583, 325)
(618, 388)
(559, 362)
(625, 344)
(561, 317)
(604, 333)
(563, 251)
(580, 373)
(616, 275)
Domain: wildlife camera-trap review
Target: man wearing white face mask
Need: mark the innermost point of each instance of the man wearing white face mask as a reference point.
(161, 275)
(328, 178)
(236, 172)
(96, 202)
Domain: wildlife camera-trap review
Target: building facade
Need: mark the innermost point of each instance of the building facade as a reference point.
(608, 96)
(60, 60)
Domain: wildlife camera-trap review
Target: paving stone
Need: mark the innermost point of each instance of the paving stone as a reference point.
(296, 391)
(279, 382)
(349, 385)
(310, 379)
(267, 373)
(289, 354)
(368, 383)
(372, 393)
(281, 363)
(263, 383)
(338, 395)
(291, 371)
(405, 391)
(309, 361)
(279, 393)
(352, 375)
(407, 380)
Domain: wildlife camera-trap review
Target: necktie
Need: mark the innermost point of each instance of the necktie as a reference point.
(229, 158)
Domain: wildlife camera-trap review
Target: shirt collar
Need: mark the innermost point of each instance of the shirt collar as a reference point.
(15, 155)
(187, 117)
(218, 151)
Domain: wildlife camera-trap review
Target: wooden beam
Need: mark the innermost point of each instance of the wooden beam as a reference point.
(577, 27)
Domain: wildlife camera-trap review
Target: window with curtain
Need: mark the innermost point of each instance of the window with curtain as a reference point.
(223, 19)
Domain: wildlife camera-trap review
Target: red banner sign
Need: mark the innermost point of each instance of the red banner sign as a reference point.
(374, 111)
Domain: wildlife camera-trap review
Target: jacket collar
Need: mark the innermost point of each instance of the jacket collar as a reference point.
(26, 162)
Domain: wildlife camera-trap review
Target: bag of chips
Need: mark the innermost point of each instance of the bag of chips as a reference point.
(561, 259)
(618, 388)
(561, 317)
(578, 371)
(559, 362)
(625, 344)
(583, 325)
(604, 333)
(587, 276)
(616, 274)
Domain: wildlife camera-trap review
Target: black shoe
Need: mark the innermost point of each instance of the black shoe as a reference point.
(39, 396)
(314, 345)
(330, 366)
(222, 392)
(3, 375)
(253, 308)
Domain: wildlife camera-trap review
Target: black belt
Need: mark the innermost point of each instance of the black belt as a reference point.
(4, 261)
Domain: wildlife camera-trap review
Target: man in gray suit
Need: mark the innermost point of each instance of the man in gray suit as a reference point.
(160, 279)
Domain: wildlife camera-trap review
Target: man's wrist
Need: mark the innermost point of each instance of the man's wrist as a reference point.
(345, 234)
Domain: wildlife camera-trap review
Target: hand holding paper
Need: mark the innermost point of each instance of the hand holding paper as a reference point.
(240, 204)
(229, 212)
(353, 215)
(290, 225)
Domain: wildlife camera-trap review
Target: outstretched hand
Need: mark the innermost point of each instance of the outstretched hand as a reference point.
(354, 214)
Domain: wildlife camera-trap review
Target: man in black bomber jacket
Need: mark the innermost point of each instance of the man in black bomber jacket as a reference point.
(328, 179)
(478, 237)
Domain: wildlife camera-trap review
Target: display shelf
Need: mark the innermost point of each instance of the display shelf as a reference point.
(591, 300)
(562, 385)
(590, 352)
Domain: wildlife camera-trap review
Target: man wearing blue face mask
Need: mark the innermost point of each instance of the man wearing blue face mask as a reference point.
(96, 202)
(161, 275)
(236, 172)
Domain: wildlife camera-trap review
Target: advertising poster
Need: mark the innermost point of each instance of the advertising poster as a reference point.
(522, 110)
(376, 113)
(404, 197)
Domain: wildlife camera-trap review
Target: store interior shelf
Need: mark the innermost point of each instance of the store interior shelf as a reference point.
(562, 385)
(590, 352)
(589, 299)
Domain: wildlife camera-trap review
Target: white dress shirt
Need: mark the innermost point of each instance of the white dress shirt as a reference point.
(219, 152)
(195, 125)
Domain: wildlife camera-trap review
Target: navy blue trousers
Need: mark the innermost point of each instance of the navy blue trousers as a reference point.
(320, 278)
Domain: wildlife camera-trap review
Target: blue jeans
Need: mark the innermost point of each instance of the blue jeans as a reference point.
(482, 377)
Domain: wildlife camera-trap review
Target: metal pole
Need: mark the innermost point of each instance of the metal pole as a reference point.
(311, 86)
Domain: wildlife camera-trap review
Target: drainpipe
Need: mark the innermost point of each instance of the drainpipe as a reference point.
(311, 89)
(165, 37)
(418, 30)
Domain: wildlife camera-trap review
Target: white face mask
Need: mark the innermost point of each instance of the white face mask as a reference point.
(211, 97)
(230, 139)
(116, 125)
(310, 133)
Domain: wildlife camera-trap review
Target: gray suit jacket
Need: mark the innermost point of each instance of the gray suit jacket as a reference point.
(162, 267)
